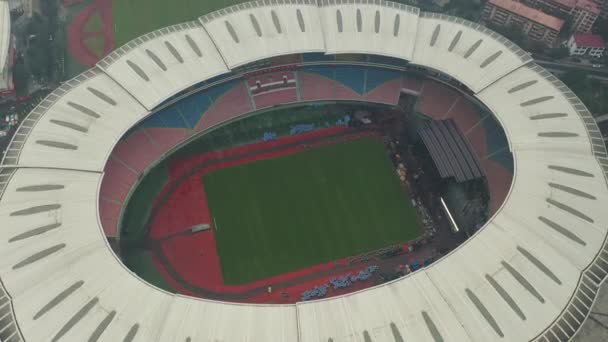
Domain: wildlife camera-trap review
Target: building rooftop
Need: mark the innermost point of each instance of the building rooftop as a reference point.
(589, 6)
(530, 13)
(589, 40)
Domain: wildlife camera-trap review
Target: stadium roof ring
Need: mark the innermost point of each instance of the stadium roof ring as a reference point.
(532, 273)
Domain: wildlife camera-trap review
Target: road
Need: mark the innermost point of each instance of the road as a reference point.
(599, 73)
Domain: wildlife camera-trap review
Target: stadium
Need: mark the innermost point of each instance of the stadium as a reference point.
(223, 179)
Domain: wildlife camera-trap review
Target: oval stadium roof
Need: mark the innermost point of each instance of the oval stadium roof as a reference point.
(531, 273)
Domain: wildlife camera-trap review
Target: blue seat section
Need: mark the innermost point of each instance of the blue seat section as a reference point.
(197, 105)
(317, 57)
(351, 76)
(376, 77)
(172, 117)
(154, 120)
(217, 91)
(326, 71)
(496, 140)
(193, 107)
(504, 158)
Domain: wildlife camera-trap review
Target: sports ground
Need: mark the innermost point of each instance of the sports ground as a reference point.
(282, 214)
(97, 27)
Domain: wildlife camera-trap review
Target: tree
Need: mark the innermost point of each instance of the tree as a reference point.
(20, 78)
(559, 53)
(601, 27)
(575, 80)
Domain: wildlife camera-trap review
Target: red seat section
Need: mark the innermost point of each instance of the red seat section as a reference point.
(464, 114)
(412, 86)
(117, 181)
(436, 99)
(136, 151)
(387, 93)
(165, 139)
(109, 213)
(499, 183)
(233, 103)
(342, 92)
(275, 97)
(315, 87)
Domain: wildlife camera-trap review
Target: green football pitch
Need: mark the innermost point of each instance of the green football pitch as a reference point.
(287, 213)
(132, 18)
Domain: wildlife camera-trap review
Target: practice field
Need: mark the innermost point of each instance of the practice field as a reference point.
(133, 18)
(283, 214)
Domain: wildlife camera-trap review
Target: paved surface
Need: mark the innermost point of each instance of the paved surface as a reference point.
(595, 327)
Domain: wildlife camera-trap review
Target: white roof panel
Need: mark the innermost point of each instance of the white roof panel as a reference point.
(466, 51)
(76, 126)
(164, 62)
(252, 31)
(536, 113)
(378, 28)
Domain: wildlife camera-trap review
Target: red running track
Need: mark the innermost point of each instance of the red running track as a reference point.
(77, 36)
(180, 166)
(195, 257)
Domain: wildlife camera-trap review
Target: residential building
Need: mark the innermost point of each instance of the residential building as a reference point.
(553, 7)
(581, 13)
(536, 24)
(584, 15)
(603, 5)
(586, 44)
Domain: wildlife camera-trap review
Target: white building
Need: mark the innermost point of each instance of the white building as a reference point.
(6, 82)
(586, 44)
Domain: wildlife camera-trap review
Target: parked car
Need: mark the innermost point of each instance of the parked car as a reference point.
(597, 66)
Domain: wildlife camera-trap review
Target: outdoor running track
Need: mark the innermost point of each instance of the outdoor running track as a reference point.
(190, 262)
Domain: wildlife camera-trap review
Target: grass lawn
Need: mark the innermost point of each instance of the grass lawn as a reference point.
(95, 24)
(133, 18)
(287, 213)
(96, 45)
